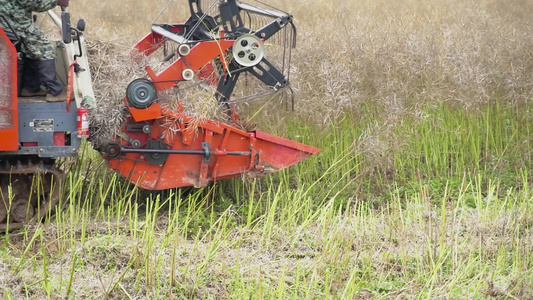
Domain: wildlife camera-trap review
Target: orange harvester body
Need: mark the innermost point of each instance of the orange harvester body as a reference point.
(160, 148)
(231, 152)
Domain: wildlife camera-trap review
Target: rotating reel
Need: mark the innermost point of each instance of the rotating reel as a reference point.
(248, 50)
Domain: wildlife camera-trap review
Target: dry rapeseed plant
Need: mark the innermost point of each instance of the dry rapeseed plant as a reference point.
(393, 57)
(113, 67)
(466, 52)
(399, 57)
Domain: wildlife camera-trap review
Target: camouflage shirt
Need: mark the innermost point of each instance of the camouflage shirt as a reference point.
(35, 45)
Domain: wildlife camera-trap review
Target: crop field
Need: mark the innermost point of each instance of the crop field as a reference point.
(424, 187)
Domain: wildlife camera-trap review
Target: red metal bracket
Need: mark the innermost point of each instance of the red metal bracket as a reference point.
(150, 113)
(204, 165)
(70, 84)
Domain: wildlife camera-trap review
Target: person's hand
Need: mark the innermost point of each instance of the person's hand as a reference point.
(63, 3)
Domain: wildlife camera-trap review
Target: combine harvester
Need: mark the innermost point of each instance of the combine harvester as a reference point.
(158, 147)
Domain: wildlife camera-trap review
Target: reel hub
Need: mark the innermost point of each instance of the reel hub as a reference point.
(248, 50)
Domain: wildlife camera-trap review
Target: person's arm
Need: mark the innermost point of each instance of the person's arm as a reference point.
(37, 5)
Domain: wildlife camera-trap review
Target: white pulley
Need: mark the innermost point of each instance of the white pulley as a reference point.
(248, 50)
(187, 74)
(184, 49)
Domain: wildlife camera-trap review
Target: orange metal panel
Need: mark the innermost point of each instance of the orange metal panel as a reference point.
(150, 113)
(150, 43)
(261, 153)
(8, 100)
(201, 54)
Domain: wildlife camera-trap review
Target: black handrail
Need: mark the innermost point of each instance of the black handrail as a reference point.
(13, 36)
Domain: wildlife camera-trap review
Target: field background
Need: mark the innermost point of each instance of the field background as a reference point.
(423, 109)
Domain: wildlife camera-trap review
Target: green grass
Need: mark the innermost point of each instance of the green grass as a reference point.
(442, 211)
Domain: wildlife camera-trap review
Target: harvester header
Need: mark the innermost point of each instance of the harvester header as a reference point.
(162, 148)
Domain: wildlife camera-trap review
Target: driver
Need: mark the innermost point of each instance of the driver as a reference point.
(38, 51)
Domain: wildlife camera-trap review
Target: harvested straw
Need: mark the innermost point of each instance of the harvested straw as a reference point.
(113, 67)
(111, 71)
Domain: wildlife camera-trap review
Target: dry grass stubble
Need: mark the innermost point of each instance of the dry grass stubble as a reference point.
(383, 247)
